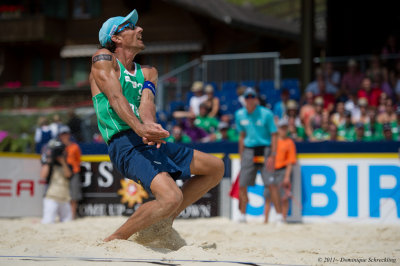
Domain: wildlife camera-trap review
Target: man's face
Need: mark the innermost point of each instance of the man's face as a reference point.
(251, 101)
(64, 137)
(131, 36)
(366, 84)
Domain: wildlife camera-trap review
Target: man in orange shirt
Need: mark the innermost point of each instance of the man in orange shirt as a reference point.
(284, 161)
(74, 160)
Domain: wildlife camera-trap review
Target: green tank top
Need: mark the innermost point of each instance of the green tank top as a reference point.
(108, 121)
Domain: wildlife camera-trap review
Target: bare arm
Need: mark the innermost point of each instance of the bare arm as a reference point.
(271, 157)
(44, 171)
(215, 107)
(147, 108)
(105, 77)
(67, 172)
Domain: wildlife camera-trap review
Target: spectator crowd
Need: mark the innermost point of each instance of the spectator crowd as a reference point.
(337, 106)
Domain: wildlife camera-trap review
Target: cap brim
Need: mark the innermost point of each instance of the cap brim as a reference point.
(132, 18)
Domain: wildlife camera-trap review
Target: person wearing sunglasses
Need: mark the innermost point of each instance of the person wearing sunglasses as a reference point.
(123, 94)
(257, 148)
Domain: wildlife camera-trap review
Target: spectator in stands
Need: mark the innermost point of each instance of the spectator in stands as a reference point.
(387, 132)
(75, 124)
(280, 107)
(360, 135)
(196, 134)
(240, 91)
(331, 76)
(339, 117)
(333, 132)
(257, 148)
(204, 121)
(382, 103)
(307, 111)
(396, 125)
(292, 111)
(212, 101)
(321, 133)
(43, 134)
(295, 131)
(351, 103)
(366, 91)
(373, 128)
(351, 79)
(329, 98)
(314, 86)
(284, 162)
(360, 112)
(316, 119)
(388, 114)
(177, 135)
(198, 97)
(347, 131)
(225, 133)
(73, 153)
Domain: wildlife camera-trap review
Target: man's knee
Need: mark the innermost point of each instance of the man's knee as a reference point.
(167, 193)
(170, 201)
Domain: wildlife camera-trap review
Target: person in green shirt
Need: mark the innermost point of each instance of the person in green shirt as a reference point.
(177, 136)
(204, 121)
(373, 128)
(387, 132)
(322, 133)
(360, 132)
(225, 133)
(347, 131)
(296, 131)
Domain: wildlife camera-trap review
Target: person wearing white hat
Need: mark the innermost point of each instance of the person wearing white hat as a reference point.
(123, 97)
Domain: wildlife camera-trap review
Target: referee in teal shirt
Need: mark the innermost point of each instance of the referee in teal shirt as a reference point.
(257, 148)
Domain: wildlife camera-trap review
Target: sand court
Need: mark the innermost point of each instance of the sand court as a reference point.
(214, 241)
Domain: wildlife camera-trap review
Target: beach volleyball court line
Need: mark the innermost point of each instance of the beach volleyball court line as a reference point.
(169, 262)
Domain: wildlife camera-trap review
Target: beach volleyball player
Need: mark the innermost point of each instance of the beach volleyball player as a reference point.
(123, 97)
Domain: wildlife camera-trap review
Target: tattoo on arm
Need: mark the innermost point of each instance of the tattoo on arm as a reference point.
(101, 57)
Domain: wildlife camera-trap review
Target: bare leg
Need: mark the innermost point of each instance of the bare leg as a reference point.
(74, 207)
(267, 208)
(208, 171)
(285, 208)
(275, 197)
(243, 199)
(168, 199)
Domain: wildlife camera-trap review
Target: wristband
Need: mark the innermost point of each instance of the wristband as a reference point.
(149, 85)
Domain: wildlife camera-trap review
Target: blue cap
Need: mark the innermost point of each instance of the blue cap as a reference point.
(249, 91)
(111, 25)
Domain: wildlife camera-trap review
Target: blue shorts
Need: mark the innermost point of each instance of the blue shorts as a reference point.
(141, 162)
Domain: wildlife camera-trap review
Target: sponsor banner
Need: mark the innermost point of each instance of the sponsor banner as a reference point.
(341, 188)
(107, 192)
(21, 189)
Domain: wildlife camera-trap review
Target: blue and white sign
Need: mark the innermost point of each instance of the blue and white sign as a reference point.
(342, 188)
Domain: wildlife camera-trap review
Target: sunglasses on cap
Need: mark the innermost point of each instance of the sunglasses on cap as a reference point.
(250, 97)
(129, 25)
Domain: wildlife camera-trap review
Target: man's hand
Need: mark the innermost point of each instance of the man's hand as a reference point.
(286, 183)
(152, 133)
(271, 163)
(154, 142)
